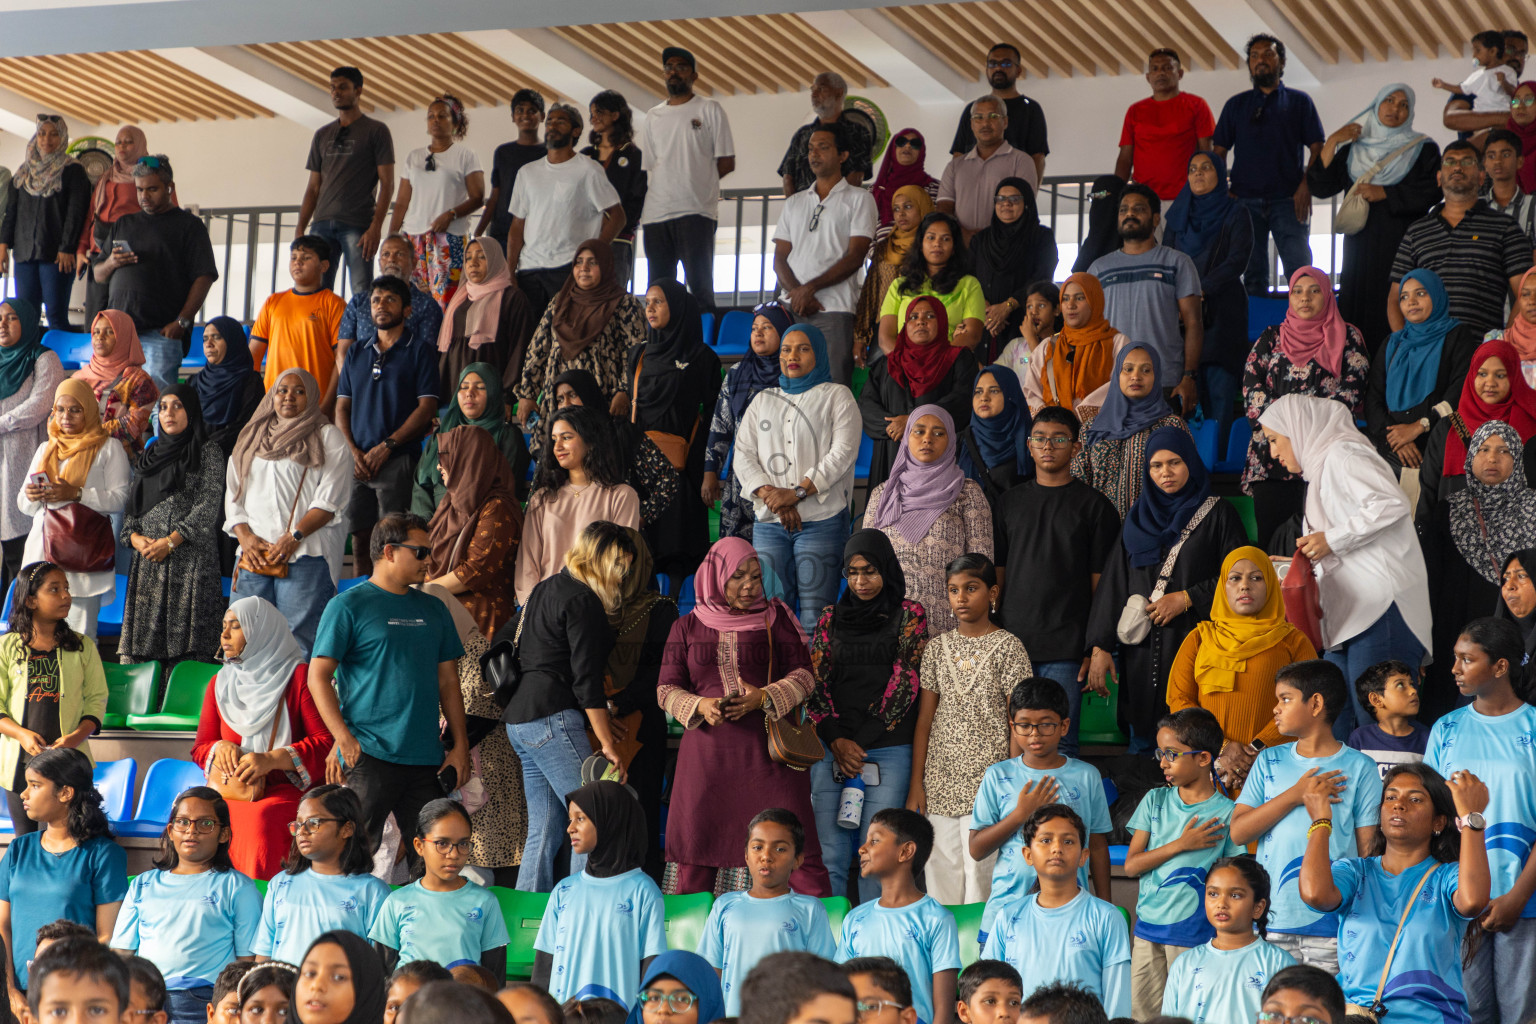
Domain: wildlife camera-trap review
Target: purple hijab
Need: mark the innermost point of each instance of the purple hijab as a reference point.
(916, 494)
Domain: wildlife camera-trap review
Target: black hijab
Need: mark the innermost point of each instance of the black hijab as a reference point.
(369, 982)
(620, 823)
(162, 470)
(586, 387)
(1527, 559)
(855, 618)
(1003, 255)
(665, 354)
(221, 386)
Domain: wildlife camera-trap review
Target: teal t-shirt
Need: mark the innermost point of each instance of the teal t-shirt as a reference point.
(299, 907)
(189, 926)
(1170, 902)
(387, 648)
(444, 927)
(42, 887)
(742, 929)
(1222, 986)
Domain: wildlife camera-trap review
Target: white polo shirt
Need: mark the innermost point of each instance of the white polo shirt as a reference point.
(678, 147)
(846, 213)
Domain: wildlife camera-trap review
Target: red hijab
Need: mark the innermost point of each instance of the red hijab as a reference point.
(1319, 340)
(893, 175)
(1527, 133)
(1518, 410)
(920, 368)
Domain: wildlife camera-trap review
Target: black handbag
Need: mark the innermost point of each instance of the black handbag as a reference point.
(499, 666)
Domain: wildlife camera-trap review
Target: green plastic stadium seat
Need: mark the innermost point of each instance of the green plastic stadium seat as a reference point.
(968, 921)
(131, 690)
(837, 909)
(1127, 915)
(261, 887)
(183, 704)
(1096, 720)
(522, 912)
(1244, 506)
(686, 915)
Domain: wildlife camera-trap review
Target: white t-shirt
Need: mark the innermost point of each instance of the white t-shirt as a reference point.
(434, 192)
(846, 213)
(679, 146)
(1488, 96)
(562, 206)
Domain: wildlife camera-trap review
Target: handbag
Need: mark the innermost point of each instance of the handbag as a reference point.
(792, 739)
(1303, 602)
(77, 538)
(1354, 209)
(1378, 1009)
(233, 789)
(279, 571)
(1135, 625)
(499, 666)
(674, 446)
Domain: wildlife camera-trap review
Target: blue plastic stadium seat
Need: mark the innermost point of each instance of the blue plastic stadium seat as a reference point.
(114, 781)
(165, 779)
(663, 583)
(350, 582)
(1117, 855)
(865, 456)
(5, 611)
(73, 347)
(109, 622)
(708, 320)
(1206, 442)
(195, 358)
(685, 601)
(1237, 447)
(6, 828)
(1264, 313)
(735, 337)
(1111, 792)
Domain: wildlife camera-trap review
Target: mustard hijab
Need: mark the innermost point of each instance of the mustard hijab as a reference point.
(69, 457)
(1229, 639)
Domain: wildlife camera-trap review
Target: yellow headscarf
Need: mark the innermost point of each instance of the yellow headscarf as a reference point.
(899, 241)
(77, 450)
(1229, 639)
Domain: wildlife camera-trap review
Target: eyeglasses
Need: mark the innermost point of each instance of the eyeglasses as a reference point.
(994, 116)
(816, 216)
(676, 1002)
(378, 368)
(1031, 728)
(431, 161)
(1161, 754)
(676, 67)
(905, 142)
(309, 826)
(421, 551)
(1470, 162)
(1041, 441)
(51, 118)
(861, 574)
(1002, 200)
(867, 1009)
(1517, 102)
(1280, 1018)
(202, 825)
(443, 846)
(996, 65)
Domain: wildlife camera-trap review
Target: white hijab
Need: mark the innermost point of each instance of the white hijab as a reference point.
(1320, 430)
(251, 692)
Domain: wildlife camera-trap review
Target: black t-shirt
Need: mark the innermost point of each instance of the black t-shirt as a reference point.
(41, 714)
(1051, 541)
(173, 251)
(509, 158)
(1025, 133)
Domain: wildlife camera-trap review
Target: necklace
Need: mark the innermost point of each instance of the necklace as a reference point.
(967, 662)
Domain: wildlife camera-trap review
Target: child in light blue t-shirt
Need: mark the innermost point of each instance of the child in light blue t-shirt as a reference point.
(1177, 833)
(327, 884)
(1223, 980)
(744, 927)
(602, 923)
(444, 917)
(1013, 790)
(1308, 696)
(1060, 932)
(904, 924)
(194, 912)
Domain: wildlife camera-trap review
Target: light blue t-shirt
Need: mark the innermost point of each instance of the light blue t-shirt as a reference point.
(742, 929)
(1085, 940)
(1424, 984)
(1281, 848)
(189, 926)
(1222, 986)
(43, 887)
(1500, 750)
(598, 930)
(921, 937)
(1170, 903)
(1079, 786)
(301, 906)
(444, 927)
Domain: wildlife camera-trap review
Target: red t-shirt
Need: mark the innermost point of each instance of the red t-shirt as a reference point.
(1162, 136)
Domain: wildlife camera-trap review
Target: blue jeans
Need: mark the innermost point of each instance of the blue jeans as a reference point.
(1277, 217)
(42, 283)
(300, 596)
(346, 244)
(840, 846)
(162, 360)
(807, 563)
(551, 750)
(1219, 388)
(1387, 638)
(1065, 673)
(188, 1005)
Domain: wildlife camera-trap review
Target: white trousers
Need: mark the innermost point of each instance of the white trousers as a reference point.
(953, 877)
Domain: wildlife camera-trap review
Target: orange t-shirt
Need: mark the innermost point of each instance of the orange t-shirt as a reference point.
(300, 331)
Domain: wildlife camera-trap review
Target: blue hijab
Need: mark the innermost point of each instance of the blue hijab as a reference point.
(1196, 221)
(1156, 519)
(821, 374)
(1413, 353)
(1122, 416)
(756, 373)
(1006, 435)
(694, 972)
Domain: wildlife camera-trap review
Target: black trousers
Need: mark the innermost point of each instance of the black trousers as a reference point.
(690, 239)
(385, 788)
(541, 286)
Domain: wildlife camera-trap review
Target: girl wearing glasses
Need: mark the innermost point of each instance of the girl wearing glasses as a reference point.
(326, 884)
(679, 988)
(194, 912)
(259, 726)
(443, 917)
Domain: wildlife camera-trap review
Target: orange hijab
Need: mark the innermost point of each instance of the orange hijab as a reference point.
(1082, 358)
(69, 457)
(1522, 333)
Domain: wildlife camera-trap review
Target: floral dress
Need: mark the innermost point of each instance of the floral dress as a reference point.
(1115, 467)
(603, 358)
(126, 406)
(974, 677)
(439, 264)
(911, 639)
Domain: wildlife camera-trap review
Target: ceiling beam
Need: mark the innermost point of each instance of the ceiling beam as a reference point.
(1236, 20)
(569, 70)
(889, 51)
(259, 81)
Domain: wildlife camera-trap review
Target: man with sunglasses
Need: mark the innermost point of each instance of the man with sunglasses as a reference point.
(386, 657)
(1025, 129)
(1276, 133)
(828, 94)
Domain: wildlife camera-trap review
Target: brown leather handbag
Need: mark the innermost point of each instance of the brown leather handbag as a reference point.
(674, 446)
(77, 538)
(233, 789)
(280, 570)
(792, 739)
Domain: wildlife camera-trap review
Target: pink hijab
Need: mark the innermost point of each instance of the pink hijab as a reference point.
(102, 372)
(1319, 340)
(713, 610)
(484, 299)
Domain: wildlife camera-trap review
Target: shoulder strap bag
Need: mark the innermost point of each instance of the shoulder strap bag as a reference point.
(1378, 1009)
(280, 570)
(792, 739)
(1135, 625)
(1354, 209)
(674, 446)
(231, 788)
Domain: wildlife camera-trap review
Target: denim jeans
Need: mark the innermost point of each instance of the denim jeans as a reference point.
(1219, 388)
(188, 1005)
(346, 244)
(300, 596)
(1388, 637)
(162, 360)
(1277, 217)
(551, 750)
(840, 846)
(1065, 674)
(42, 283)
(807, 563)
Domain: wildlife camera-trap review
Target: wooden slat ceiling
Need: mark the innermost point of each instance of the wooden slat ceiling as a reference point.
(1357, 30)
(405, 72)
(1066, 37)
(125, 87)
(730, 51)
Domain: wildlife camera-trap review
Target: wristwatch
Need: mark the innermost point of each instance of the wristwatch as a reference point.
(391, 443)
(1189, 374)
(1474, 821)
(298, 535)
(800, 493)
(184, 323)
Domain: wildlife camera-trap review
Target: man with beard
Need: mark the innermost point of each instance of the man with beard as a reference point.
(1025, 117)
(1148, 289)
(386, 397)
(1270, 126)
(687, 148)
(1164, 130)
(424, 316)
(1479, 253)
(828, 92)
(558, 203)
(969, 184)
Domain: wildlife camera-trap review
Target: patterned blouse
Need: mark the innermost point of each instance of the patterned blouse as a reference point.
(487, 565)
(1116, 467)
(736, 513)
(965, 526)
(900, 694)
(973, 676)
(604, 358)
(126, 406)
(866, 316)
(1269, 375)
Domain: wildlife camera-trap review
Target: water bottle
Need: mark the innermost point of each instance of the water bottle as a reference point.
(850, 808)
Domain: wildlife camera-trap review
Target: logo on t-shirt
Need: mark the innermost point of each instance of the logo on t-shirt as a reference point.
(347, 906)
(1256, 981)
(697, 124)
(475, 914)
(625, 907)
(1078, 939)
(789, 926)
(212, 899)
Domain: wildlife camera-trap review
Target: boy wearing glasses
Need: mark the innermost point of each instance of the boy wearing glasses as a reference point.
(1013, 790)
(885, 991)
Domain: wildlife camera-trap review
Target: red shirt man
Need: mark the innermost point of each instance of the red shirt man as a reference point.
(1163, 131)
